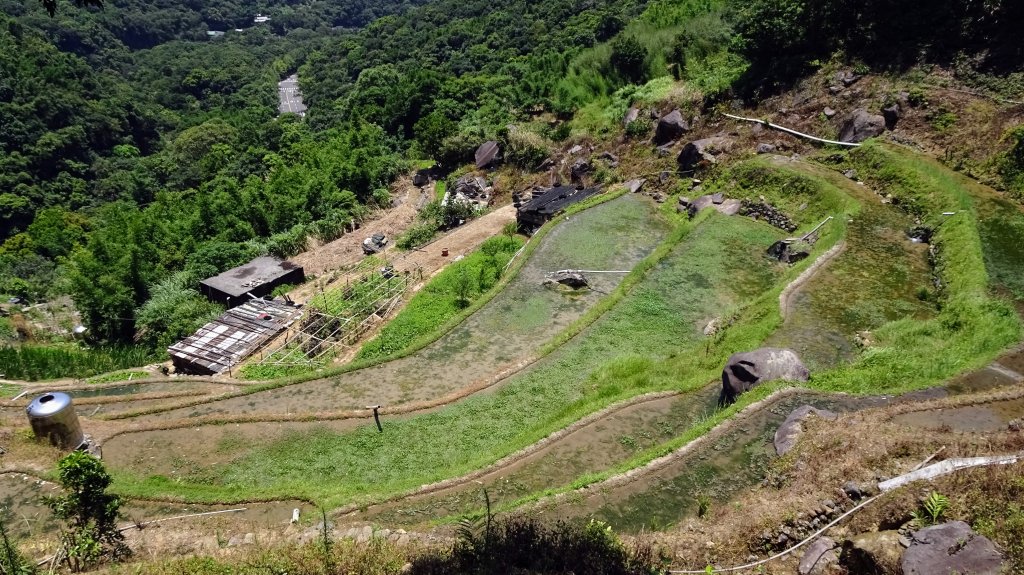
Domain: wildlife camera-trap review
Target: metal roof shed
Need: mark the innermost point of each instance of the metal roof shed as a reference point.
(258, 278)
(235, 335)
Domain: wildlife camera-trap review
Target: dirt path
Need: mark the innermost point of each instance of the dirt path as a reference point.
(348, 249)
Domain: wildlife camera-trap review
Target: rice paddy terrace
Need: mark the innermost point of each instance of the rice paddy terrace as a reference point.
(558, 402)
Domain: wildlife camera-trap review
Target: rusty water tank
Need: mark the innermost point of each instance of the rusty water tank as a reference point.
(53, 418)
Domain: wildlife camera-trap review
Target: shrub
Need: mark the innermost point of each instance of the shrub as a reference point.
(524, 545)
(89, 513)
(524, 148)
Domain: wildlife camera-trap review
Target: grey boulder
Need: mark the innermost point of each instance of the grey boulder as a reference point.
(820, 557)
(700, 153)
(860, 126)
(671, 126)
(746, 370)
(951, 548)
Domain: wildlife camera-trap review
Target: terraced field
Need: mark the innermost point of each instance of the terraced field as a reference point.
(541, 393)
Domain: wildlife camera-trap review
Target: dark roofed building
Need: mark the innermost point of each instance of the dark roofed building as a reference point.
(545, 205)
(252, 280)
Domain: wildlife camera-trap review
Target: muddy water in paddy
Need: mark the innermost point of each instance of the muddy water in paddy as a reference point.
(876, 279)
(21, 507)
(734, 461)
(612, 236)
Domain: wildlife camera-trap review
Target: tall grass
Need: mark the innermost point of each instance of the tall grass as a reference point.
(38, 362)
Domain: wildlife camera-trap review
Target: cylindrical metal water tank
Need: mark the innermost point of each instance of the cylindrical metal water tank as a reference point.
(53, 418)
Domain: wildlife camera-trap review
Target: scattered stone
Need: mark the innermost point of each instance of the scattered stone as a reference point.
(855, 490)
(665, 176)
(364, 534)
(829, 112)
(789, 432)
(851, 174)
(670, 127)
(663, 151)
(575, 150)
(631, 116)
(835, 90)
(295, 515)
(609, 157)
(951, 548)
(658, 197)
(636, 185)
(713, 327)
(847, 77)
(875, 552)
(920, 234)
(684, 201)
(745, 370)
(766, 148)
(717, 198)
(819, 558)
(487, 154)
(700, 153)
(569, 278)
(729, 207)
(860, 126)
(892, 115)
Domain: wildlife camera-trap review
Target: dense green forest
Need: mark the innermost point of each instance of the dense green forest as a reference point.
(138, 155)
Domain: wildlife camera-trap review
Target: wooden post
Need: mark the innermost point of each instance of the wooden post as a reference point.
(376, 416)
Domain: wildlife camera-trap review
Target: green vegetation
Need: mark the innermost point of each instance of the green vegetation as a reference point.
(39, 362)
(443, 297)
(117, 376)
(89, 513)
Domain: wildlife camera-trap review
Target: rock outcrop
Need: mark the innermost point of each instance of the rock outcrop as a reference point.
(746, 370)
(820, 558)
(860, 126)
(487, 155)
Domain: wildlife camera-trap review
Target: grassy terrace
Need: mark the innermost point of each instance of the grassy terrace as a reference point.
(646, 337)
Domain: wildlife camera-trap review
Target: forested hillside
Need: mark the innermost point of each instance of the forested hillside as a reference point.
(128, 122)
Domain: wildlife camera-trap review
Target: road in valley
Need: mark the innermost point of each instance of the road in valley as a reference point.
(291, 97)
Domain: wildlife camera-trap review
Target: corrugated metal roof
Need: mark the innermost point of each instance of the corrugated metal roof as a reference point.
(233, 336)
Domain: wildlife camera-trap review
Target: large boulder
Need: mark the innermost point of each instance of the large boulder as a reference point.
(745, 370)
(860, 126)
(892, 115)
(700, 153)
(789, 432)
(951, 548)
(671, 126)
(631, 116)
(874, 553)
(487, 154)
